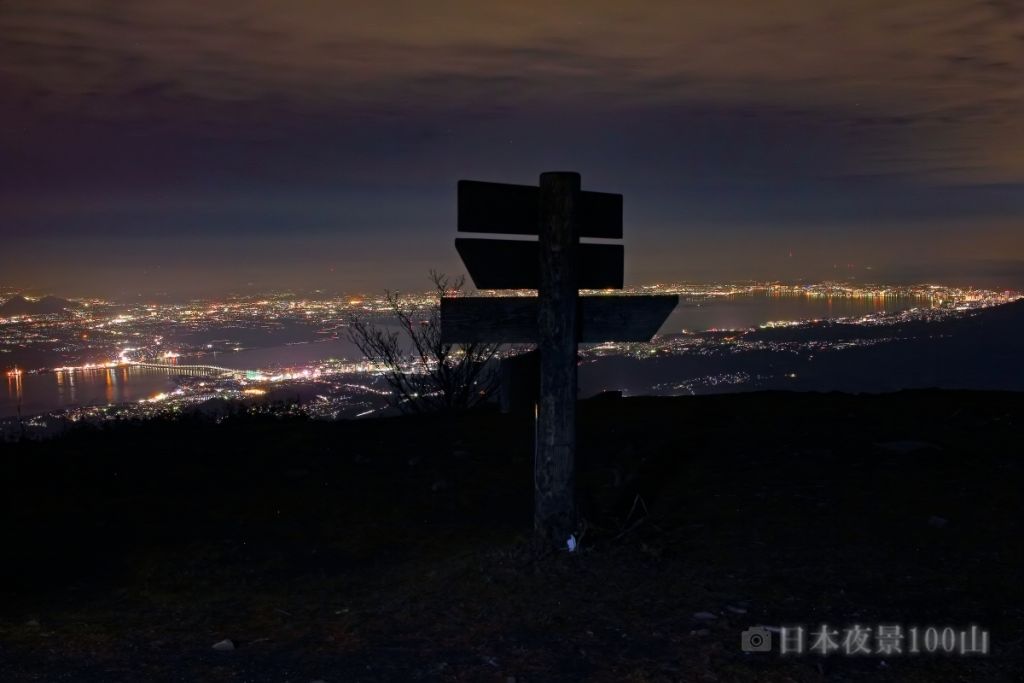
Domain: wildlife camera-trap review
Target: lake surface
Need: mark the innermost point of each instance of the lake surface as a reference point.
(38, 393)
(42, 392)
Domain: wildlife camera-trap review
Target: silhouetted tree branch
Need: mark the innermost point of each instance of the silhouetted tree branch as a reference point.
(430, 376)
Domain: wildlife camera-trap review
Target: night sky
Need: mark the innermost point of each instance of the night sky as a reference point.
(168, 146)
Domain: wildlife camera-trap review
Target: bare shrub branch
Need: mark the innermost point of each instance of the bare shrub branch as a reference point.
(429, 376)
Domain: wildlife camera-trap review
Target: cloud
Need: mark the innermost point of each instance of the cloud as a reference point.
(944, 75)
(801, 48)
(148, 117)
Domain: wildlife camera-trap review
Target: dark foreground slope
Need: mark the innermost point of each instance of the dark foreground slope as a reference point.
(394, 549)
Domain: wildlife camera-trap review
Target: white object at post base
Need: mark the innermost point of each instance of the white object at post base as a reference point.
(571, 543)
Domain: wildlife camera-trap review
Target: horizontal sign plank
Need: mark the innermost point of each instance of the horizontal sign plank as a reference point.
(515, 210)
(515, 264)
(513, 320)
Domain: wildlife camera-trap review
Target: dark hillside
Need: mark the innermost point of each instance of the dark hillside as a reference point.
(978, 349)
(19, 305)
(395, 549)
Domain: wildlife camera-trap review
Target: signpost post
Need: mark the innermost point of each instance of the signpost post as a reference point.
(554, 463)
(557, 266)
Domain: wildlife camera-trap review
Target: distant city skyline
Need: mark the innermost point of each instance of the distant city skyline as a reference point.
(191, 149)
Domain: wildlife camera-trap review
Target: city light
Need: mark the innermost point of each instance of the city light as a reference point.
(200, 346)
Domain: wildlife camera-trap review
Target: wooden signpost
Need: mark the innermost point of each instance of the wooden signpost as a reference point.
(557, 265)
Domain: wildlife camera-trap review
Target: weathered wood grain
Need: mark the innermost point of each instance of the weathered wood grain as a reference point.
(561, 261)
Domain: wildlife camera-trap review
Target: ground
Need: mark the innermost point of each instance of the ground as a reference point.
(398, 549)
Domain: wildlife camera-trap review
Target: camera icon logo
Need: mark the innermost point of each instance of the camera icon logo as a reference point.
(756, 639)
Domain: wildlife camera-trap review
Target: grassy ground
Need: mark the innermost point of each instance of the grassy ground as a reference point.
(397, 549)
